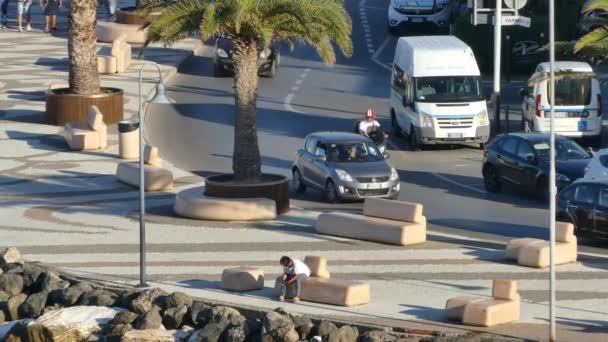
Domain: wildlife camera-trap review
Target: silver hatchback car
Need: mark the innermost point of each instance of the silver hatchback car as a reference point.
(345, 166)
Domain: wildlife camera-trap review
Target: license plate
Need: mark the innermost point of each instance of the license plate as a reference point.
(417, 20)
(582, 126)
(374, 186)
(454, 135)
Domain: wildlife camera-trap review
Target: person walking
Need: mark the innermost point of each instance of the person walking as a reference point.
(50, 8)
(294, 271)
(3, 14)
(24, 9)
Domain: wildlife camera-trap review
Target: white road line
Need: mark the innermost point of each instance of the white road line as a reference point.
(379, 51)
(295, 89)
(456, 183)
(287, 103)
(298, 82)
(289, 98)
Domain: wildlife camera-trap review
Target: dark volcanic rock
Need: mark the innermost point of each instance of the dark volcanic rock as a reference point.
(149, 320)
(344, 334)
(176, 299)
(12, 306)
(278, 327)
(98, 298)
(33, 305)
(11, 283)
(174, 316)
(125, 317)
(146, 299)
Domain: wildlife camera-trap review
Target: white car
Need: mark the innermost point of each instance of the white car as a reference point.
(435, 12)
(597, 169)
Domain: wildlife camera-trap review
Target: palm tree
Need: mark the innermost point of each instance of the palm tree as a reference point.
(253, 24)
(82, 53)
(594, 45)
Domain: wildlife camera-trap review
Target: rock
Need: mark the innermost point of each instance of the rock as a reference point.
(125, 317)
(31, 276)
(278, 327)
(344, 334)
(237, 333)
(33, 305)
(325, 329)
(174, 316)
(10, 255)
(176, 299)
(49, 281)
(194, 336)
(7, 327)
(376, 336)
(144, 301)
(53, 307)
(150, 335)
(199, 312)
(225, 313)
(212, 332)
(115, 333)
(79, 321)
(303, 326)
(11, 283)
(69, 296)
(4, 296)
(12, 306)
(148, 320)
(183, 334)
(98, 298)
(126, 297)
(35, 332)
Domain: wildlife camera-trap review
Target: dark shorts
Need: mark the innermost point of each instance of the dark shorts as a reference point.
(51, 7)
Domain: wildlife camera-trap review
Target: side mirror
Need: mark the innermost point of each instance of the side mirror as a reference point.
(523, 92)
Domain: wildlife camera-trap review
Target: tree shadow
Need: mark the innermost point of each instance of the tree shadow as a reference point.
(424, 312)
(505, 229)
(23, 115)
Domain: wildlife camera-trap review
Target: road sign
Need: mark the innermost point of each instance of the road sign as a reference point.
(513, 20)
(515, 4)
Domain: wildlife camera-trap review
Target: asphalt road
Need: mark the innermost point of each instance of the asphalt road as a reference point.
(308, 96)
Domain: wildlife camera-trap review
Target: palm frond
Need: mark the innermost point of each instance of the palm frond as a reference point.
(591, 6)
(597, 36)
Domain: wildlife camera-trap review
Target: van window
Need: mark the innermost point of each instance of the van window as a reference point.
(571, 92)
(448, 89)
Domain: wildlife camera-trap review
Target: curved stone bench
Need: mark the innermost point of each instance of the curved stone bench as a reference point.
(193, 204)
(109, 31)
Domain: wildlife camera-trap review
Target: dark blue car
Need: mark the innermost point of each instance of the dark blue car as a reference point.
(522, 159)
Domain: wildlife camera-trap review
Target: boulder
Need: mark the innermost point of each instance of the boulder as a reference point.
(303, 326)
(12, 306)
(33, 305)
(31, 276)
(278, 327)
(11, 283)
(6, 328)
(325, 329)
(126, 297)
(125, 317)
(69, 296)
(344, 334)
(194, 336)
(182, 334)
(4, 296)
(376, 336)
(225, 313)
(174, 316)
(81, 321)
(35, 332)
(238, 333)
(53, 307)
(212, 332)
(98, 298)
(114, 333)
(149, 320)
(49, 281)
(176, 299)
(10, 255)
(146, 299)
(200, 313)
(150, 335)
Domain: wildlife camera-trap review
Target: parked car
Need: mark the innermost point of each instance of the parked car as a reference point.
(523, 159)
(578, 102)
(269, 59)
(344, 166)
(585, 204)
(597, 169)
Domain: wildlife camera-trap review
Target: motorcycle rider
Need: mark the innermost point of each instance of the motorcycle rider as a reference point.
(370, 123)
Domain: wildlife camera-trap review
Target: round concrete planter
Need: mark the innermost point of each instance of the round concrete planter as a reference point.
(128, 15)
(63, 107)
(271, 186)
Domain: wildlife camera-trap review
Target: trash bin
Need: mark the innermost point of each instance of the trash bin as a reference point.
(128, 139)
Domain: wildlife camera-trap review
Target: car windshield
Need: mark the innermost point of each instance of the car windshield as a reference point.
(448, 89)
(571, 92)
(564, 150)
(353, 153)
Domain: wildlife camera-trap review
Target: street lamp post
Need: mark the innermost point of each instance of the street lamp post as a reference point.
(552, 189)
(159, 98)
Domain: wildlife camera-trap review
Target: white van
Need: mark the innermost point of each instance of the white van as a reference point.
(436, 92)
(578, 101)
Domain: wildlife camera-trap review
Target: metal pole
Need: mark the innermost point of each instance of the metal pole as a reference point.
(552, 188)
(497, 43)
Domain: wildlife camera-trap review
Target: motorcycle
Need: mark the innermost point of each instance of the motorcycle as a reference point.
(377, 135)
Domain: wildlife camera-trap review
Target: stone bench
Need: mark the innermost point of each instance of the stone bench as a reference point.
(108, 32)
(243, 279)
(115, 59)
(504, 307)
(89, 135)
(535, 252)
(386, 221)
(319, 288)
(192, 203)
(156, 178)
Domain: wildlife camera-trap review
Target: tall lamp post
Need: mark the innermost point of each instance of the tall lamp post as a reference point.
(552, 188)
(159, 98)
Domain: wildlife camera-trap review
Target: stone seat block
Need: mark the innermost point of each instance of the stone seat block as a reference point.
(489, 312)
(329, 291)
(317, 266)
(155, 178)
(110, 31)
(454, 307)
(243, 279)
(514, 247)
(537, 254)
(89, 135)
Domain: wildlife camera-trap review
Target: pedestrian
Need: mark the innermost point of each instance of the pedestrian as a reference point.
(24, 9)
(3, 14)
(294, 271)
(111, 7)
(50, 8)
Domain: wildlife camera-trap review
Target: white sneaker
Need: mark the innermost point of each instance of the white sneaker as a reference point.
(28, 27)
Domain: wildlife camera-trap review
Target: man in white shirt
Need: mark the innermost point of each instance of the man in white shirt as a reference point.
(369, 124)
(294, 271)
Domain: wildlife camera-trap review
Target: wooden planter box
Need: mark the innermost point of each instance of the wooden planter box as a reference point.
(63, 107)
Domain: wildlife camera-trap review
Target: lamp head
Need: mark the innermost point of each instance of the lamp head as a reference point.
(160, 97)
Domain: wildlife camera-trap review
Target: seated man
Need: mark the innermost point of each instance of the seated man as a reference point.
(294, 271)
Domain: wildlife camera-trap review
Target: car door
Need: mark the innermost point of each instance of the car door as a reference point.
(307, 160)
(582, 206)
(601, 210)
(524, 166)
(318, 167)
(506, 159)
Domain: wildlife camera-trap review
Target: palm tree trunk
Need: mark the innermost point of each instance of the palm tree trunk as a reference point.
(246, 162)
(82, 46)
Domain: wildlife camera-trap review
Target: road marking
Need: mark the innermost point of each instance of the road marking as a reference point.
(366, 29)
(375, 56)
(294, 89)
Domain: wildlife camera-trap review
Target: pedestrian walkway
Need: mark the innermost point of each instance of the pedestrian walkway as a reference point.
(67, 209)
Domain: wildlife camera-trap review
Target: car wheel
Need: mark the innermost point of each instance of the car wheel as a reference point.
(414, 143)
(491, 179)
(542, 189)
(298, 182)
(395, 125)
(331, 192)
